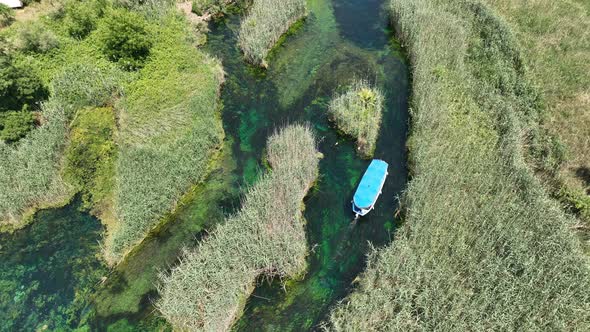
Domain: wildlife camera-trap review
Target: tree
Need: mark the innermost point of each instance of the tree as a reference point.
(20, 88)
(124, 39)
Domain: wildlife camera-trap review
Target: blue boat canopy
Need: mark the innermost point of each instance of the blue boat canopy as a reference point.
(370, 186)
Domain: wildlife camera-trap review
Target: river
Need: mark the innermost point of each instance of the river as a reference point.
(51, 274)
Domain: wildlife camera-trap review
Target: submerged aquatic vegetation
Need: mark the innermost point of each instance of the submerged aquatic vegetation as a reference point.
(170, 128)
(91, 153)
(209, 287)
(358, 114)
(266, 22)
(483, 246)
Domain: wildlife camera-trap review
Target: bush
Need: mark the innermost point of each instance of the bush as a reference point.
(35, 37)
(124, 39)
(81, 17)
(15, 125)
(264, 25)
(483, 247)
(358, 114)
(82, 85)
(6, 15)
(20, 88)
(200, 7)
(209, 288)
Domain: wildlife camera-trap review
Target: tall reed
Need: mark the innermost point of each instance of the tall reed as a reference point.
(266, 22)
(358, 114)
(483, 247)
(208, 289)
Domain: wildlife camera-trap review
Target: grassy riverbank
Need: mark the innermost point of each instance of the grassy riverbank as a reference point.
(554, 36)
(483, 246)
(138, 113)
(209, 287)
(30, 172)
(266, 22)
(358, 114)
(170, 127)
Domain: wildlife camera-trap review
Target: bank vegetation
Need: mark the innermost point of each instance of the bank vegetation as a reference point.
(110, 99)
(483, 246)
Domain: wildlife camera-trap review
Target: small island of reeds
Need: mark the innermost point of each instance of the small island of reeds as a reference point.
(357, 113)
(208, 289)
(266, 22)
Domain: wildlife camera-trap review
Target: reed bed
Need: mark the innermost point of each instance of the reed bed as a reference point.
(358, 114)
(208, 289)
(483, 247)
(266, 22)
(30, 170)
(170, 130)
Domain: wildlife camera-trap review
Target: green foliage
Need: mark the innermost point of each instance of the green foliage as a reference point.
(170, 128)
(208, 289)
(15, 125)
(124, 38)
(29, 171)
(483, 246)
(91, 154)
(200, 7)
(20, 88)
(264, 25)
(577, 201)
(35, 37)
(154, 9)
(358, 114)
(82, 85)
(81, 17)
(6, 15)
(30, 2)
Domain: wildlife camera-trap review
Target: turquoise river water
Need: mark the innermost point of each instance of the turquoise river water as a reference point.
(51, 274)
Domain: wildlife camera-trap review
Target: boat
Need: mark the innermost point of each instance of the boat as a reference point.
(369, 188)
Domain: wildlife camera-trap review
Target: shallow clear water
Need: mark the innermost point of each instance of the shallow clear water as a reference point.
(339, 41)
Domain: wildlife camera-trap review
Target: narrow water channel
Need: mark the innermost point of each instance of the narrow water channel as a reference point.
(340, 40)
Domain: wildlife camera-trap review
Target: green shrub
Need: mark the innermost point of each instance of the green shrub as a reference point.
(91, 153)
(199, 7)
(35, 37)
(81, 17)
(577, 201)
(483, 247)
(20, 88)
(85, 85)
(264, 25)
(124, 39)
(15, 125)
(358, 114)
(208, 289)
(6, 15)
(170, 128)
(29, 170)
(154, 9)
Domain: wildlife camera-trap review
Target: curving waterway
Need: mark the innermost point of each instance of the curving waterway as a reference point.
(51, 274)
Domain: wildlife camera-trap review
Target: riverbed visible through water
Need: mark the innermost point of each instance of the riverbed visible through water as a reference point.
(51, 274)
